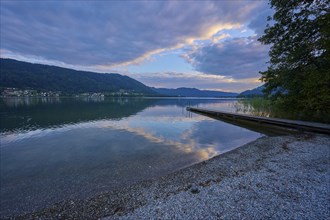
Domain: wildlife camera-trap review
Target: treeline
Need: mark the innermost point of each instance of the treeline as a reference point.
(24, 75)
(299, 70)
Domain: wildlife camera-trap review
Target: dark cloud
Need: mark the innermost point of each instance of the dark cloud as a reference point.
(237, 58)
(259, 22)
(110, 32)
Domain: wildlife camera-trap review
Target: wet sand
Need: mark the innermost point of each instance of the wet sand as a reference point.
(273, 177)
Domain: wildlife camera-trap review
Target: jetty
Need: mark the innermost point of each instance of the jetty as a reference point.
(244, 119)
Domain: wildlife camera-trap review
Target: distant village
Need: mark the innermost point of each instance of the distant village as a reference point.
(15, 92)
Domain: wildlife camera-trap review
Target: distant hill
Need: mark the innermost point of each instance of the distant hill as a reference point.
(253, 92)
(24, 75)
(192, 92)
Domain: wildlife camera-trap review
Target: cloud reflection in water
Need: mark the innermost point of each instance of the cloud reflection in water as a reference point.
(79, 159)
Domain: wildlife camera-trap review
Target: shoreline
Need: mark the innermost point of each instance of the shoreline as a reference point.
(271, 177)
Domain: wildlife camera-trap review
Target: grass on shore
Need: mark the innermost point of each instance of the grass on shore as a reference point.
(260, 106)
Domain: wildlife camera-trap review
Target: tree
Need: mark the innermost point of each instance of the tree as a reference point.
(298, 76)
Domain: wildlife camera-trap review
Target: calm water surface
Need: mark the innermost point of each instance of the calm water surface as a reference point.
(58, 149)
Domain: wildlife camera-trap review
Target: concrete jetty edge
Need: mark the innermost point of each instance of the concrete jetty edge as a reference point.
(284, 123)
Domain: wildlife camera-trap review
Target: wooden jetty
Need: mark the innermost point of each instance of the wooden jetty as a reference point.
(279, 123)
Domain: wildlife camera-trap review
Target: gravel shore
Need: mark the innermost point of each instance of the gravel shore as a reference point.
(286, 177)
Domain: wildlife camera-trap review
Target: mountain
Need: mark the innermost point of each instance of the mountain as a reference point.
(253, 92)
(192, 92)
(24, 75)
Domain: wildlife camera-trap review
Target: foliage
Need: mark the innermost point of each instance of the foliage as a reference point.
(24, 75)
(299, 73)
(259, 106)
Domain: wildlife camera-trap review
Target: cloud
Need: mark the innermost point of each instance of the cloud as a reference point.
(238, 58)
(259, 22)
(196, 80)
(113, 33)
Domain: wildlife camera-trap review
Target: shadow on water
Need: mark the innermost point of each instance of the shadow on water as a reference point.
(34, 113)
(83, 147)
(256, 127)
(43, 113)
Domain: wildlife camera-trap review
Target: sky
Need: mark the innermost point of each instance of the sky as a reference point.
(208, 45)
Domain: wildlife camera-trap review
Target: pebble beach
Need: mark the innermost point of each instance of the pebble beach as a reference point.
(284, 177)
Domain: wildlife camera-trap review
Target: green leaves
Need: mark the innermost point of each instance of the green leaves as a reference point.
(299, 54)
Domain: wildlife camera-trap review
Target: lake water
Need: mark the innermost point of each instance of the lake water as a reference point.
(54, 149)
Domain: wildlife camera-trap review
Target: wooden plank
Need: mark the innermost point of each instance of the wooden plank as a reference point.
(293, 124)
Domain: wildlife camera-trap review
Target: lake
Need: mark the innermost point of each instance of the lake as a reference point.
(55, 149)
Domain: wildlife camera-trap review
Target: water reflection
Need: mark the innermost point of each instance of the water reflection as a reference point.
(78, 148)
(26, 101)
(65, 111)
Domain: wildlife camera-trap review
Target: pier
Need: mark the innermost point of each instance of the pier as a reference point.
(243, 119)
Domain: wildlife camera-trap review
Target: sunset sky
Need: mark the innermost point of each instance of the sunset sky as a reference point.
(202, 44)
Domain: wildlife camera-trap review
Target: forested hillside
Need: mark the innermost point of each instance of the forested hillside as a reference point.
(24, 75)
